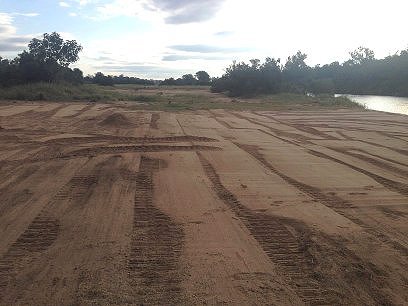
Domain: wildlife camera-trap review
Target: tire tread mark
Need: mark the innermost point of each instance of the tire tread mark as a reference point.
(156, 244)
(329, 200)
(279, 244)
(395, 186)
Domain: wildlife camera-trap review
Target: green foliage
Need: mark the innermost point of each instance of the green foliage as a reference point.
(171, 98)
(242, 79)
(62, 92)
(203, 78)
(101, 79)
(109, 80)
(46, 61)
(189, 79)
(362, 74)
(53, 49)
(361, 55)
(200, 78)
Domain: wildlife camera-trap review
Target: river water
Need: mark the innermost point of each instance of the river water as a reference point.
(397, 105)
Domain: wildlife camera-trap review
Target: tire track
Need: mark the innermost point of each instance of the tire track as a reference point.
(336, 203)
(77, 188)
(280, 133)
(153, 121)
(281, 246)
(156, 244)
(345, 136)
(9, 196)
(400, 151)
(93, 151)
(301, 127)
(228, 126)
(119, 139)
(43, 231)
(373, 161)
(221, 122)
(390, 184)
(395, 186)
(329, 200)
(39, 235)
(136, 148)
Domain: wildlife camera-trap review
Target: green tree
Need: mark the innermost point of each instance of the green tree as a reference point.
(203, 77)
(52, 48)
(361, 55)
(188, 79)
(101, 79)
(296, 73)
(296, 62)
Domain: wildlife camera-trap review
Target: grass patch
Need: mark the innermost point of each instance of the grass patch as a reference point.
(292, 100)
(170, 98)
(59, 92)
(195, 101)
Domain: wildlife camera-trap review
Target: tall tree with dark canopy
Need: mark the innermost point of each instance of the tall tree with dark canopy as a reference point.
(47, 60)
(52, 48)
(362, 55)
(203, 77)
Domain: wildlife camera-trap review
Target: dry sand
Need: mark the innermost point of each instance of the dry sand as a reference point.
(108, 206)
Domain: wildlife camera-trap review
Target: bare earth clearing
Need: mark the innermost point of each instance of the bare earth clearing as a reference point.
(101, 204)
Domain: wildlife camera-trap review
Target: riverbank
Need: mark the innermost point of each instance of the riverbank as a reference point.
(390, 104)
(170, 98)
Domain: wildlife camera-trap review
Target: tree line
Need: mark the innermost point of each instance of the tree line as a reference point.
(361, 74)
(200, 78)
(48, 59)
(110, 80)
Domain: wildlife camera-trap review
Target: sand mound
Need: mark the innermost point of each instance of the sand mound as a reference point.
(116, 120)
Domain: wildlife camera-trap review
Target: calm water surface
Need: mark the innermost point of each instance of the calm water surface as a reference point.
(382, 103)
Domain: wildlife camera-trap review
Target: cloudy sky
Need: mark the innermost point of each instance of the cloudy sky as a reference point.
(163, 38)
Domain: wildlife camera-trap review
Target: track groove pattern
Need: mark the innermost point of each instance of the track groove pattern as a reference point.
(281, 246)
(373, 161)
(45, 228)
(156, 244)
(280, 133)
(153, 121)
(301, 127)
(329, 200)
(395, 186)
(336, 203)
(77, 188)
(121, 139)
(92, 152)
(141, 148)
(39, 235)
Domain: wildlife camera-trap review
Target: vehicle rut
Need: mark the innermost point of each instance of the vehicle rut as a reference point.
(156, 244)
(280, 245)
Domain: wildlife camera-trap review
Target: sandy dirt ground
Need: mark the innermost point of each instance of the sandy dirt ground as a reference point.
(104, 205)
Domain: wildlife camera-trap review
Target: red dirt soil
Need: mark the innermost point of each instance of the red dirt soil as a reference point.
(104, 205)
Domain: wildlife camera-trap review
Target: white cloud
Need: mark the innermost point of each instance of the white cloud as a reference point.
(325, 30)
(86, 2)
(64, 4)
(129, 8)
(27, 14)
(170, 11)
(10, 42)
(6, 27)
(73, 14)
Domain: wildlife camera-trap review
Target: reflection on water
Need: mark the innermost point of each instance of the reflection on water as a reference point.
(382, 103)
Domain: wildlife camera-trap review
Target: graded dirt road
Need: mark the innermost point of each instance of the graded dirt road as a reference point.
(104, 205)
